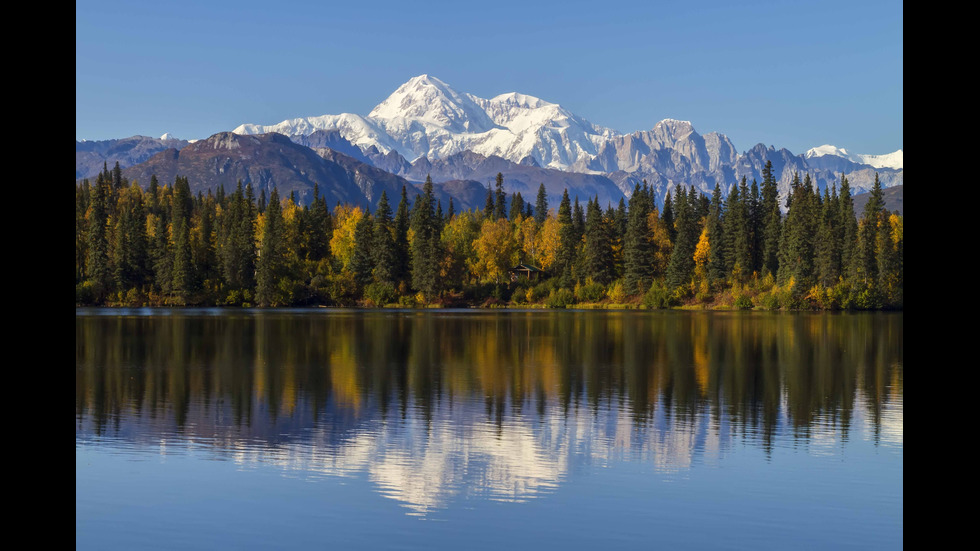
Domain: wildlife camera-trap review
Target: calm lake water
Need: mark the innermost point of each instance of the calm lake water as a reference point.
(231, 429)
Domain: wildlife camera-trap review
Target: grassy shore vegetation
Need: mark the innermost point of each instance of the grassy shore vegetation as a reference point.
(160, 245)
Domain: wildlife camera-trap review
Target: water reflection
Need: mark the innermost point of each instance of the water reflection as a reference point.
(502, 406)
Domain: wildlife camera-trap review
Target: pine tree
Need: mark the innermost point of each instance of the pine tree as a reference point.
(320, 227)
(385, 256)
(489, 205)
(849, 230)
(668, 218)
(718, 252)
(362, 261)
(516, 206)
(238, 242)
(771, 218)
(500, 199)
(867, 246)
(97, 263)
(799, 230)
(270, 266)
(541, 206)
(402, 271)
(426, 244)
(827, 263)
(738, 230)
(565, 258)
(681, 266)
(637, 244)
(598, 262)
(180, 220)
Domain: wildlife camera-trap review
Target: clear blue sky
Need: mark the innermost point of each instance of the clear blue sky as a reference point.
(789, 74)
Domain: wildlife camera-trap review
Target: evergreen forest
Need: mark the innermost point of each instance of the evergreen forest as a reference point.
(161, 245)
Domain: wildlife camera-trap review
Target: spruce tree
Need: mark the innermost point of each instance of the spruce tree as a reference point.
(668, 218)
(97, 263)
(867, 246)
(516, 206)
(402, 272)
(637, 244)
(426, 245)
(541, 206)
(681, 266)
(362, 261)
(718, 253)
(598, 262)
(771, 218)
(271, 263)
(500, 199)
(385, 256)
(565, 257)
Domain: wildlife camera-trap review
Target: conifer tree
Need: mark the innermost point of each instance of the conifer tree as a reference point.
(578, 222)
(849, 230)
(362, 261)
(771, 218)
(738, 231)
(385, 256)
(426, 244)
(718, 252)
(97, 264)
(541, 206)
(402, 251)
(598, 247)
(516, 206)
(180, 220)
(681, 266)
(489, 205)
(238, 242)
(867, 246)
(500, 199)
(637, 244)
(668, 218)
(565, 258)
(271, 263)
(827, 243)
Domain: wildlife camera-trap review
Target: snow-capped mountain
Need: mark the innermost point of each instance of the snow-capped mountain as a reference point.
(427, 120)
(426, 117)
(894, 160)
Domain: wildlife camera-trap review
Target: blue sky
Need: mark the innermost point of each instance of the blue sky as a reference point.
(789, 74)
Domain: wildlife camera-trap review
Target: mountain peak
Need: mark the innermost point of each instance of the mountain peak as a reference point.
(521, 100)
(894, 160)
(433, 102)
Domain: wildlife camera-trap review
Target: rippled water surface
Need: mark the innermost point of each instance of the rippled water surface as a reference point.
(204, 429)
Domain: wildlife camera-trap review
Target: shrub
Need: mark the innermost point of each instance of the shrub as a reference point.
(658, 296)
(616, 293)
(380, 294)
(743, 302)
(590, 292)
(770, 300)
(541, 290)
(561, 298)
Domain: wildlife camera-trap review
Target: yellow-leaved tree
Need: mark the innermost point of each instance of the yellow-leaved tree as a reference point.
(496, 250)
(548, 243)
(342, 242)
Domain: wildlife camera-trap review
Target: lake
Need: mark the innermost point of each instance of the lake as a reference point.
(468, 429)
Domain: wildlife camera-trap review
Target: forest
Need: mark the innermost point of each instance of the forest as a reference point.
(161, 245)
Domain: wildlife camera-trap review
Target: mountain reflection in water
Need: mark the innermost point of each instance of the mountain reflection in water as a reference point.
(502, 406)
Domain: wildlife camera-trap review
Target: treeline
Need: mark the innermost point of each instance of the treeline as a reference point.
(162, 245)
